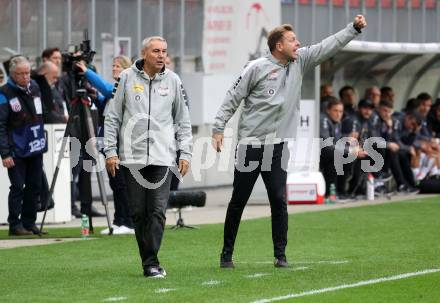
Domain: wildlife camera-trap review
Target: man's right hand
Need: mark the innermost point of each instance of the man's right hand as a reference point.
(217, 141)
(8, 162)
(112, 164)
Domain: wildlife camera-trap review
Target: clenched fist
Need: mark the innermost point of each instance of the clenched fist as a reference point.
(359, 22)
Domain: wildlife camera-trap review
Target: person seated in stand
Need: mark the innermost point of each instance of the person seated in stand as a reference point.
(387, 94)
(430, 147)
(331, 129)
(410, 145)
(389, 129)
(347, 95)
(326, 90)
(122, 222)
(358, 127)
(434, 120)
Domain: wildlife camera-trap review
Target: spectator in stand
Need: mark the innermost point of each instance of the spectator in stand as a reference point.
(325, 101)
(410, 106)
(331, 127)
(348, 98)
(373, 94)
(424, 104)
(387, 94)
(122, 223)
(430, 148)
(389, 128)
(434, 120)
(410, 144)
(326, 90)
(358, 127)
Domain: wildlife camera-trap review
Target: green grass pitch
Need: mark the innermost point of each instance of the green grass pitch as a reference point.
(325, 249)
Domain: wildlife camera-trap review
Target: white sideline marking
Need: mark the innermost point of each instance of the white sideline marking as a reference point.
(257, 275)
(115, 299)
(344, 286)
(164, 290)
(211, 282)
(305, 262)
(299, 268)
(324, 262)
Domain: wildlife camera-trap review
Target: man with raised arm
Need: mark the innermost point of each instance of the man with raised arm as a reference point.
(270, 88)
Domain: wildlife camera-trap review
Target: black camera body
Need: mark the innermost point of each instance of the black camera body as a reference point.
(76, 53)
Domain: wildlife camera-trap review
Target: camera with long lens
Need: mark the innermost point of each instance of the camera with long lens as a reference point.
(76, 53)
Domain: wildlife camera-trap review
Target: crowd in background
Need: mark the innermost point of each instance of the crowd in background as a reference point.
(412, 135)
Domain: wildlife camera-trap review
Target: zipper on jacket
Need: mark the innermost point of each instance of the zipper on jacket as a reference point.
(149, 119)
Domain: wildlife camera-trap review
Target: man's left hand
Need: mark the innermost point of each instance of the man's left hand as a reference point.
(359, 22)
(183, 167)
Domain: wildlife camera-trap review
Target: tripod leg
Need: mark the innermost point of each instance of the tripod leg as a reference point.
(57, 169)
(91, 135)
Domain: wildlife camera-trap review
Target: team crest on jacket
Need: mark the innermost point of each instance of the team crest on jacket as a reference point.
(163, 90)
(273, 75)
(15, 105)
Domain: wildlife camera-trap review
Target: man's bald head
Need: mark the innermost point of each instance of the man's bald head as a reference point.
(50, 70)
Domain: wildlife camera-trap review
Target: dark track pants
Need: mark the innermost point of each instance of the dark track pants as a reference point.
(274, 177)
(25, 178)
(148, 207)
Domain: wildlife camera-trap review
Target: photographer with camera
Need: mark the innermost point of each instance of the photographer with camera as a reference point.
(80, 94)
(122, 222)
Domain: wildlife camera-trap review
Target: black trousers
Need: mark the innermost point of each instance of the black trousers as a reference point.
(25, 178)
(327, 167)
(84, 190)
(392, 162)
(274, 177)
(405, 164)
(148, 207)
(120, 199)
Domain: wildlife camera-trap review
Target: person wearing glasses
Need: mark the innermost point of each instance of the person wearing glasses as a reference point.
(22, 144)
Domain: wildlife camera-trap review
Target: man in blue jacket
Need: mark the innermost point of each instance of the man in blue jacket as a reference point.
(22, 143)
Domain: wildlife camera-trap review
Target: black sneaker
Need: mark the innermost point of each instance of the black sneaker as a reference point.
(405, 189)
(226, 261)
(383, 176)
(281, 262)
(412, 190)
(20, 231)
(343, 198)
(154, 272)
(35, 230)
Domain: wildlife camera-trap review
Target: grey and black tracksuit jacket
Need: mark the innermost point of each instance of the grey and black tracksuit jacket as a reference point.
(271, 91)
(150, 117)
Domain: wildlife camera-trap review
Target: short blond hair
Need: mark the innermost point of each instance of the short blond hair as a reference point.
(124, 61)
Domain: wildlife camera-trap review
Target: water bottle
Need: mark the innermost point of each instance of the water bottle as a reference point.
(332, 194)
(370, 187)
(84, 227)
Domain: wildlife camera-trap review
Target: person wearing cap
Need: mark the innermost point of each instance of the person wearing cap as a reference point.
(358, 127)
